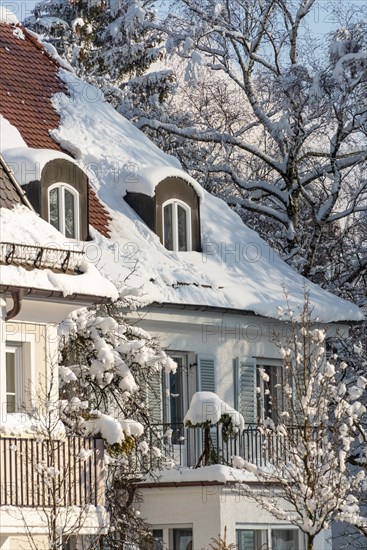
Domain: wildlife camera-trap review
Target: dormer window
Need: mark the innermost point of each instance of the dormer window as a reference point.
(61, 198)
(173, 213)
(64, 209)
(177, 226)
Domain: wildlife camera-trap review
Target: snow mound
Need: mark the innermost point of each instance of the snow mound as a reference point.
(214, 473)
(206, 406)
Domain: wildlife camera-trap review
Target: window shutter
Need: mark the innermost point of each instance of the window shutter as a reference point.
(207, 382)
(246, 401)
(155, 398)
(206, 374)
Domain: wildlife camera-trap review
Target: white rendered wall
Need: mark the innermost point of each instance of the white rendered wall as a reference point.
(225, 336)
(208, 510)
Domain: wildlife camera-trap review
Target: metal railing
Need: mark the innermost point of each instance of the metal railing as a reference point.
(57, 259)
(45, 472)
(183, 446)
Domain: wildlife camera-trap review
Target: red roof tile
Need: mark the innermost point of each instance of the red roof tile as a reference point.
(28, 80)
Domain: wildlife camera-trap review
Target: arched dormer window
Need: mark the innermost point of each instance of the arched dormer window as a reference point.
(176, 225)
(173, 213)
(61, 197)
(63, 208)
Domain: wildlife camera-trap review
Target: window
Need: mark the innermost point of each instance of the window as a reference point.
(270, 401)
(284, 539)
(13, 378)
(64, 210)
(251, 539)
(177, 226)
(177, 405)
(281, 538)
(157, 539)
(182, 539)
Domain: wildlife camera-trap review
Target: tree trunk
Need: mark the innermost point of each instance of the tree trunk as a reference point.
(310, 539)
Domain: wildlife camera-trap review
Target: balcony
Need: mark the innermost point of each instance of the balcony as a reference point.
(43, 473)
(186, 446)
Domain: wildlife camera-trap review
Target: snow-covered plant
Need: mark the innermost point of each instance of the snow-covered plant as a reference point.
(314, 426)
(106, 382)
(206, 411)
(55, 467)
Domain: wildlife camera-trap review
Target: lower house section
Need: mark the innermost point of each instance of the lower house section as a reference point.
(29, 528)
(51, 487)
(189, 516)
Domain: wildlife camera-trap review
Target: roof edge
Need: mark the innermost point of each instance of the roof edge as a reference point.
(57, 295)
(234, 311)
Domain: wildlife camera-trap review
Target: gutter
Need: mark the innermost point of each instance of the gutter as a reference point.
(56, 295)
(233, 311)
(17, 305)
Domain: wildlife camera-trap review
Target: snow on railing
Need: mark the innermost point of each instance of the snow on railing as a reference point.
(41, 257)
(177, 445)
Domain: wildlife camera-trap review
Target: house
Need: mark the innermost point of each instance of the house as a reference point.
(208, 286)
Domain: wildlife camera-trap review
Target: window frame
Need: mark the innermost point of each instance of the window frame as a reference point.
(267, 530)
(65, 187)
(175, 203)
(261, 404)
(16, 349)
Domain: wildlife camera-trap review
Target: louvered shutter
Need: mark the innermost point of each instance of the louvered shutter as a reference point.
(246, 389)
(206, 374)
(207, 382)
(155, 398)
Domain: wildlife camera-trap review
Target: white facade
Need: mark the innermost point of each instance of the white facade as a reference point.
(208, 509)
(226, 344)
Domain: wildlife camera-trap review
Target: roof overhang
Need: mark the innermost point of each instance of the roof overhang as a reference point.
(46, 306)
(231, 311)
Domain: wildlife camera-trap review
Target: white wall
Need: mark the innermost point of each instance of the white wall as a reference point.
(225, 336)
(208, 509)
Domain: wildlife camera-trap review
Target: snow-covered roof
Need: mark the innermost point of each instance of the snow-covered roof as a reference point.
(22, 227)
(26, 103)
(236, 269)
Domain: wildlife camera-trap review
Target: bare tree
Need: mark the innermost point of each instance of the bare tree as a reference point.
(60, 477)
(314, 426)
(294, 154)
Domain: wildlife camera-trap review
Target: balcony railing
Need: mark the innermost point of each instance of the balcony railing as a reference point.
(185, 446)
(42, 473)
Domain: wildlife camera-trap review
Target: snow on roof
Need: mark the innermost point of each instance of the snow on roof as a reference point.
(26, 102)
(26, 162)
(22, 226)
(148, 179)
(209, 474)
(236, 270)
